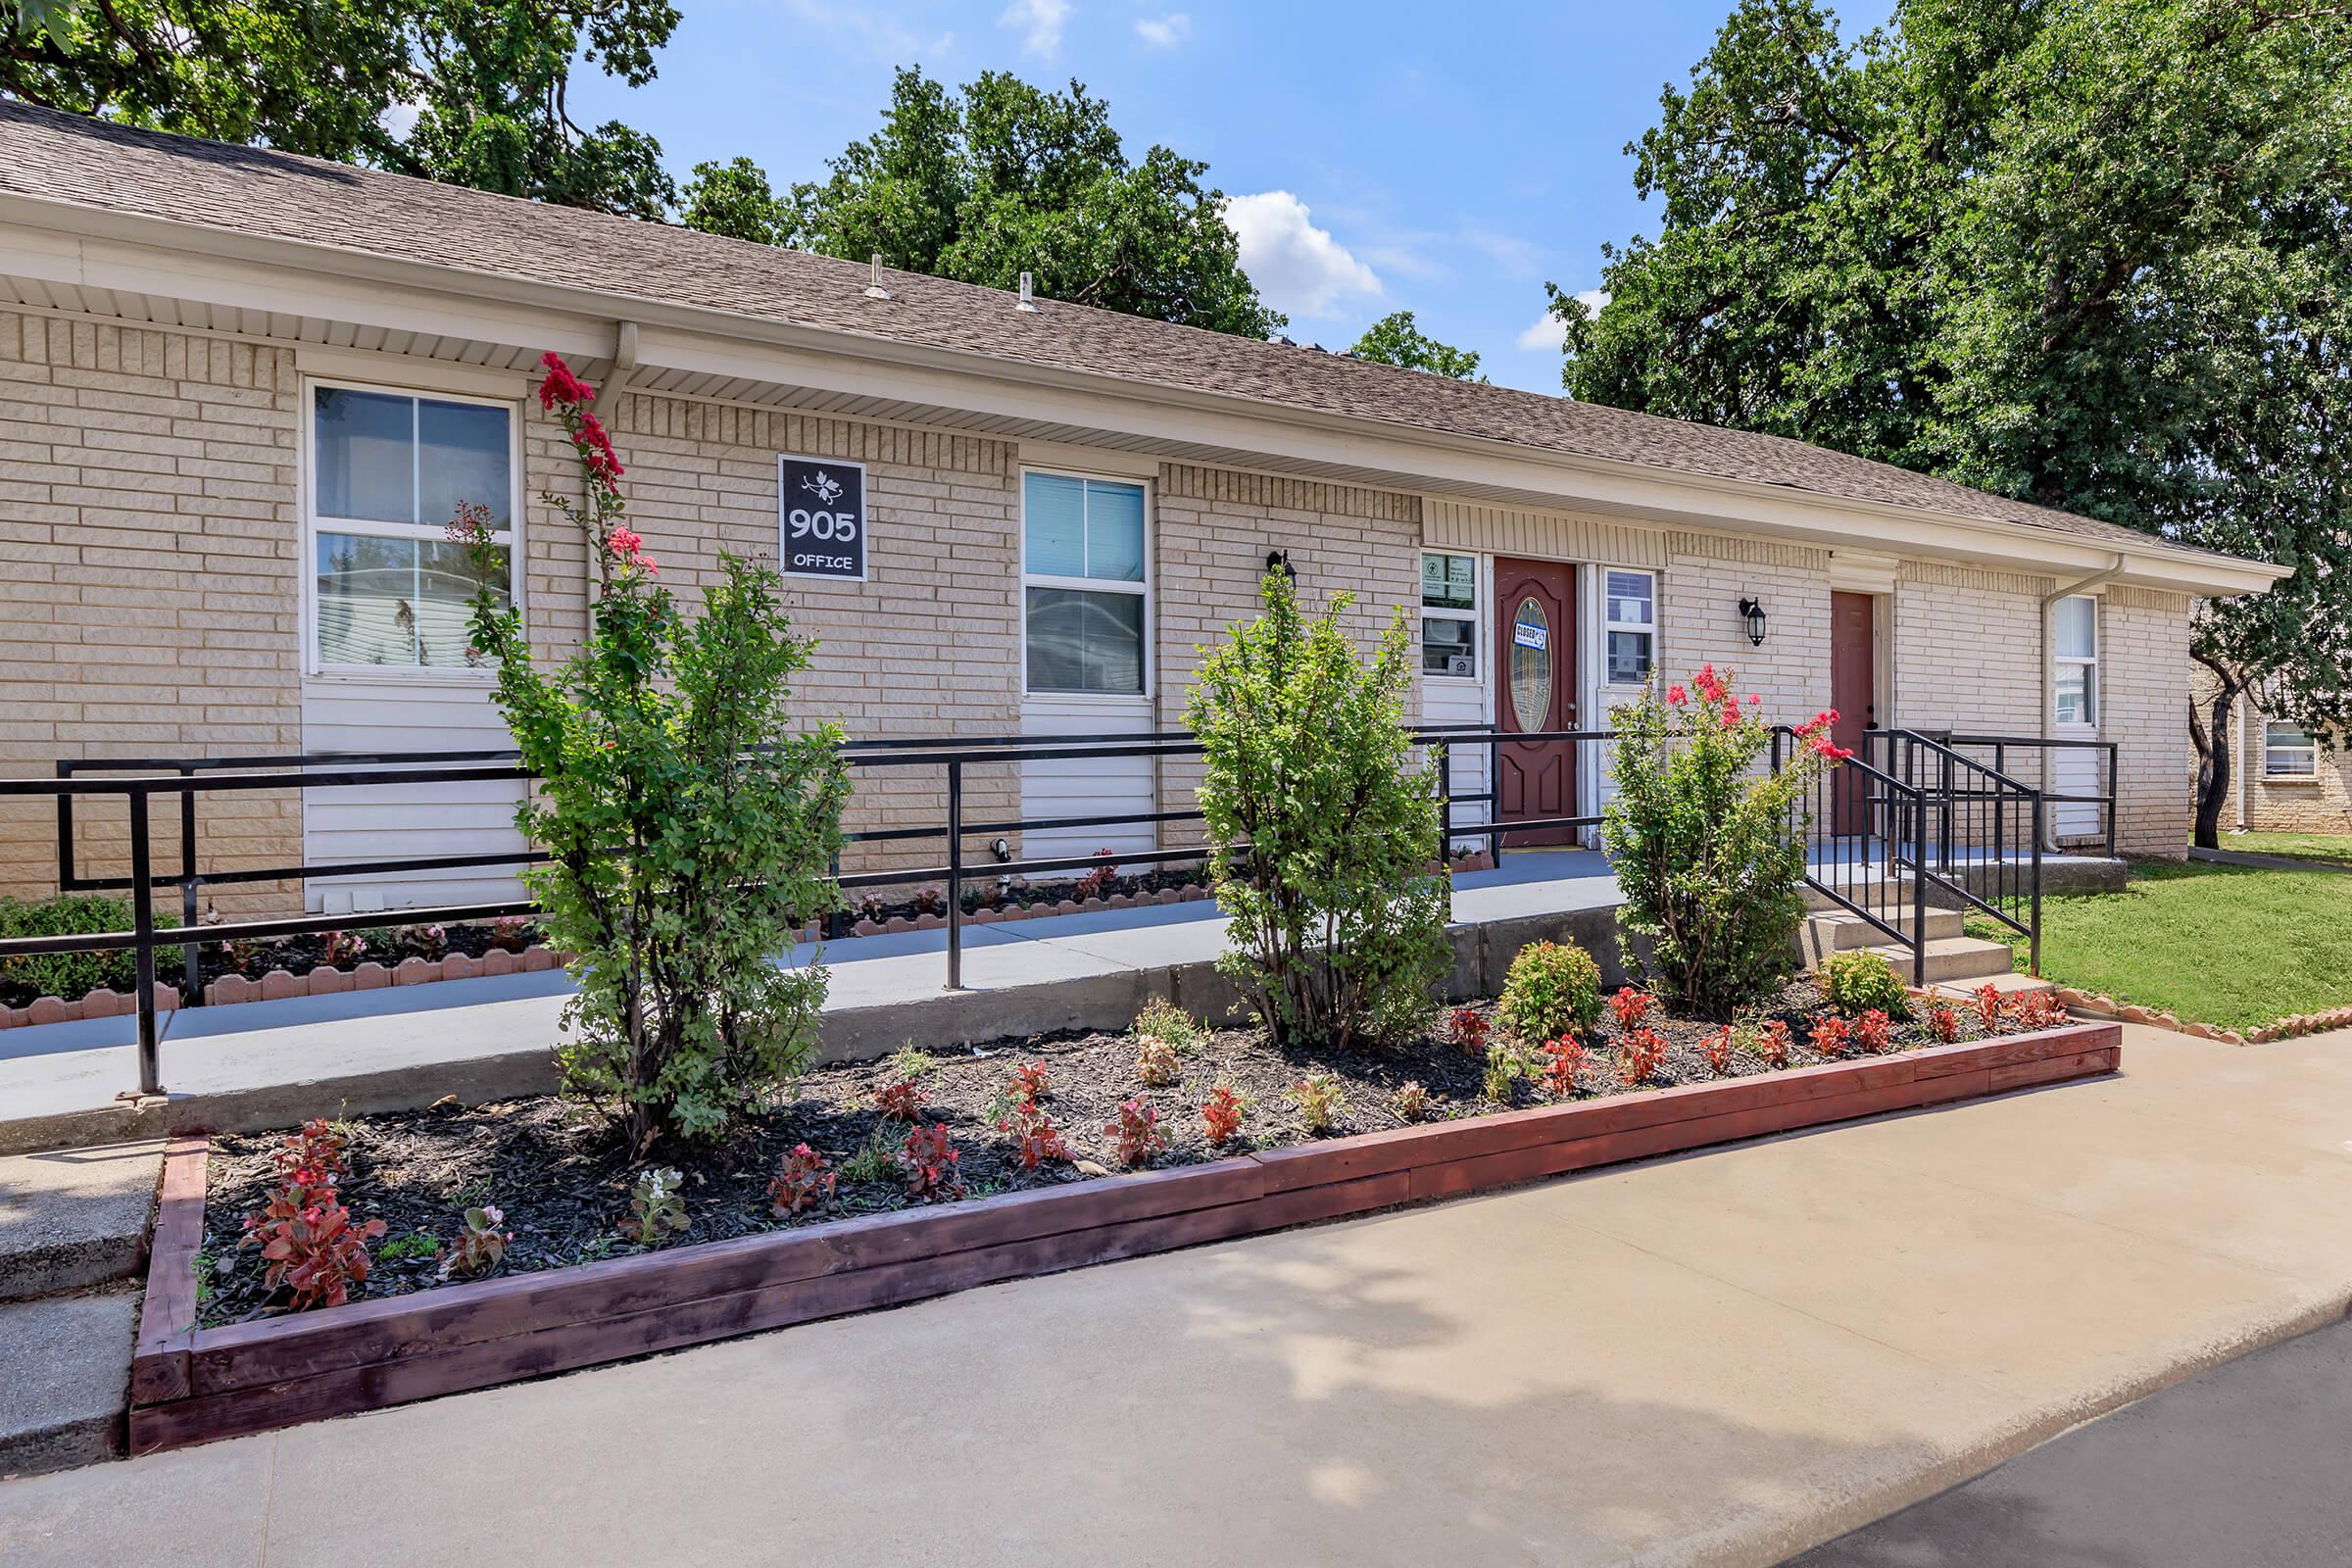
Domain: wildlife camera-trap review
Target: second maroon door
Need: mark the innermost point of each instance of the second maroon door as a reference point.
(1853, 693)
(1535, 691)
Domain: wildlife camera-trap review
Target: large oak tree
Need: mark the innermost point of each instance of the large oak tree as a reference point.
(2089, 253)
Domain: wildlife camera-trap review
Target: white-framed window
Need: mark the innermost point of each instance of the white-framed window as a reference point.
(1628, 626)
(2288, 751)
(2075, 659)
(1450, 615)
(1086, 585)
(384, 472)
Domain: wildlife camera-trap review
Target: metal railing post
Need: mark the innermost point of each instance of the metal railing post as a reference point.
(2000, 803)
(142, 925)
(1919, 896)
(1944, 817)
(954, 876)
(1495, 801)
(191, 953)
(2113, 795)
(2033, 926)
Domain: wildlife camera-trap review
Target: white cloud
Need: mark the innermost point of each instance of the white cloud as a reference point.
(1040, 21)
(1300, 268)
(881, 38)
(1549, 332)
(1164, 33)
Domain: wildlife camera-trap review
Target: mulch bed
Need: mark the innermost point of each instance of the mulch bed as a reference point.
(562, 1173)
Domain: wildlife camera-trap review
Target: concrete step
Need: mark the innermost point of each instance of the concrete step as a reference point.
(65, 1379)
(2010, 984)
(1841, 932)
(75, 1218)
(1951, 959)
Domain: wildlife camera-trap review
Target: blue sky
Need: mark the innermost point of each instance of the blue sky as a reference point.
(1381, 157)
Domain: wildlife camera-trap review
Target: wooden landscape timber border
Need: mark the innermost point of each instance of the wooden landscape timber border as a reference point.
(192, 1385)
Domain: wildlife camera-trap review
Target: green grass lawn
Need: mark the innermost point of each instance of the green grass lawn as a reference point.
(2334, 848)
(2214, 944)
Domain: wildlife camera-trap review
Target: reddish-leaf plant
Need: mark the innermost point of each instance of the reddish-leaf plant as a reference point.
(309, 1242)
(317, 1145)
(900, 1101)
(1718, 1047)
(928, 1161)
(1639, 1055)
(1096, 882)
(2039, 1010)
(1944, 1022)
(1221, 1114)
(1874, 1031)
(1564, 1060)
(480, 1246)
(802, 1181)
(1411, 1100)
(1155, 1061)
(1775, 1039)
(1035, 1137)
(1987, 999)
(1138, 1135)
(1631, 1007)
(1028, 1082)
(1832, 1035)
(1469, 1027)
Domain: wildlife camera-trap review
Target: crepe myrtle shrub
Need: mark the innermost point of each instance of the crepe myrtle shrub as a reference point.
(1325, 833)
(688, 829)
(1706, 840)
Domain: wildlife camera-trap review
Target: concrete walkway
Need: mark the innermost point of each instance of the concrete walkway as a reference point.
(53, 1071)
(1721, 1358)
(2264, 862)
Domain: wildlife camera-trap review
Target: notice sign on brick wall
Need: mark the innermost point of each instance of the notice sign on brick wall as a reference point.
(820, 504)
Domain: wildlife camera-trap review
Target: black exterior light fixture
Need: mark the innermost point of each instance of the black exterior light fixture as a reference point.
(1753, 614)
(1280, 561)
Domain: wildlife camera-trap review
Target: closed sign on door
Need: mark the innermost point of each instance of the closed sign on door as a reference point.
(821, 514)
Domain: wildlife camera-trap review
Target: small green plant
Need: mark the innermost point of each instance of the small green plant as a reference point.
(1155, 1061)
(416, 1243)
(1320, 1099)
(71, 975)
(1856, 982)
(1411, 1100)
(657, 1208)
(1553, 989)
(1508, 1065)
(876, 1161)
(911, 1062)
(1162, 1018)
(480, 1246)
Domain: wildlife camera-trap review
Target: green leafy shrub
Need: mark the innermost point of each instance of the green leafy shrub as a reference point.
(689, 829)
(1324, 833)
(1707, 842)
(1856, 982)
(1162, 1018)
(1551, 989)
(72, 975)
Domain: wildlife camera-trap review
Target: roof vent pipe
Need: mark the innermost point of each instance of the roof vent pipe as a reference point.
(1027, 303)
(873, 288)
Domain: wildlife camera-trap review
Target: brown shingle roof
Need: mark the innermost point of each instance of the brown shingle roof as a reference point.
(52, 155)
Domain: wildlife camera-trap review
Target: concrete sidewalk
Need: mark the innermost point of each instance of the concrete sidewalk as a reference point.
(488, 1038)
(1721, 1358)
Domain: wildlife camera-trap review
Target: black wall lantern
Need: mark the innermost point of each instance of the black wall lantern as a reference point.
(1280, 561)
(1753, 614)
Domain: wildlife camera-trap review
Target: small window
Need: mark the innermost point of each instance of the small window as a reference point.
(1085, 584)
(2075, 659)
(389, 471)
(1450, 615)
(1631, 622)
(2289, 752)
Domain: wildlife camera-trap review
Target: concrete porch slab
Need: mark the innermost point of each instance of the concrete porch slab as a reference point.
(74, 1218)
(65, 1369)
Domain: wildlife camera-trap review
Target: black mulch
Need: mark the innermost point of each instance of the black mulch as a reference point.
(562, 1174)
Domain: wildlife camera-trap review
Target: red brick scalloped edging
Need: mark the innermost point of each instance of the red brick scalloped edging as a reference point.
(279, 984)
(2287, 1028)
(193, 1384)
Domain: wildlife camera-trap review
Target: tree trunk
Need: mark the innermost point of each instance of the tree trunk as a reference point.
(2211, 733)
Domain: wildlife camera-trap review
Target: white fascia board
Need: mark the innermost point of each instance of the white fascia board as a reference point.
(133, 253)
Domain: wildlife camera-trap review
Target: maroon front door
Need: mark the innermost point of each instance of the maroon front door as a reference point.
(1853, 693)
(1534, 658)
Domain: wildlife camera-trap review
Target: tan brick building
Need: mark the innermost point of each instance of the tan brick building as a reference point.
(239, 390)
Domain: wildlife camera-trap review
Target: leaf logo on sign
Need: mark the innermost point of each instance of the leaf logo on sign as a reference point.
(824, 487)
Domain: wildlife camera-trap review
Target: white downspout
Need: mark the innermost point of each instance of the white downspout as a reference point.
(624, 360)
(2049, 674)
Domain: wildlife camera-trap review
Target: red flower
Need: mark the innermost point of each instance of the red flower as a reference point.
(596, 449)
(1710, 686)
(1676, 695)
(561, 385)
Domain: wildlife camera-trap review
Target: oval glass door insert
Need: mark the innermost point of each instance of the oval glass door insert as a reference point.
(1530, 665)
